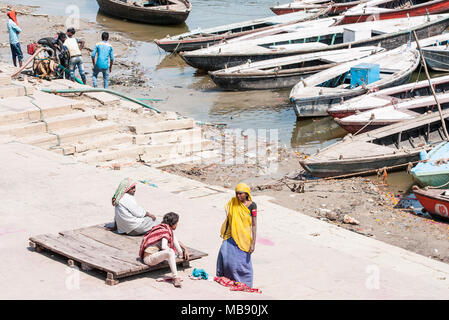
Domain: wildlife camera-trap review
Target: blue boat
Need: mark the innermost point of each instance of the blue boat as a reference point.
(434, 170)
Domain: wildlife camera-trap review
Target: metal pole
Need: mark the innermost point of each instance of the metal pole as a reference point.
(431, 86)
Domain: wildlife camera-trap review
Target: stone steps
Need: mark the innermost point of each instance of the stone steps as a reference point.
(21, 109)
(162, 152)
(161, 126)
(183, 135)
(92, 143)
(15, 90)
(52, 124)
(102, 97)
(71, 135)
(71, 127)
(146, 153)
(5, 79)
(115, 153)
(200, 157)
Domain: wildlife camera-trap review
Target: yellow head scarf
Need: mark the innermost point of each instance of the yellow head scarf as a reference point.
(238, 221)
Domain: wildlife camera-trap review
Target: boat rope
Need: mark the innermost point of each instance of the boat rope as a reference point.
(369, 122)
(176, 49)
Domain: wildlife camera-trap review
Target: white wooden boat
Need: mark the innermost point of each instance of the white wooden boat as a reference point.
(389, 34)
(202, 38)
(285, 72)
(314, 95)
(389, 96)
(402, 111)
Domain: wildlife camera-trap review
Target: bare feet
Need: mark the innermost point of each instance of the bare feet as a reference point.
(177, 282)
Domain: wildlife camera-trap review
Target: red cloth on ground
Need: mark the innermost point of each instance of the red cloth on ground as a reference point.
(234, 285)
(156, 233)
(12, 15)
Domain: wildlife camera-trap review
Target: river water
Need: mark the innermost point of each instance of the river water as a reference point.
(256, 109)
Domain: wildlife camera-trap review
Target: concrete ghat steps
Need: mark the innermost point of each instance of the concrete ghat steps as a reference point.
(183, 135)
(160, 126)
(145, 153)
(116, 152)
(71, 135)
(163, 152)
(199, 157)
(5, 79)
(15, 90)
(101, 97)
(91, 143)
(53, 123)
(20, 109)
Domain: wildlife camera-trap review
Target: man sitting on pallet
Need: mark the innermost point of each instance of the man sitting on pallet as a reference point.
(130, 218)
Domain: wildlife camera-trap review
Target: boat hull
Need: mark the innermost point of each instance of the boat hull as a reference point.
(212, 62)
(359, 128)
(256, 83)
(145, 15)
(434, 180)
(365, 166)
(318, 106)
(176, 46)
(261, 81)
(437, 60)
(432, 202)
(416, 90)
(421, 10)
(336, 8)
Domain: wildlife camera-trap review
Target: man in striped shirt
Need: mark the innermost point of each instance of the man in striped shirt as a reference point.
(104, 61)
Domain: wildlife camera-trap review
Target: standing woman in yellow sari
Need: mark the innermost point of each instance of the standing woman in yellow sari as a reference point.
(239, 237)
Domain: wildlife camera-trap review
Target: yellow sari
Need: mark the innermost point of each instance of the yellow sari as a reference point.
(238, 221)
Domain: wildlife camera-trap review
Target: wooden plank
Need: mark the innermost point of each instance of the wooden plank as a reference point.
(78, 252)
(99, 248)
(92, 256)
(127, 259)
(107, 237)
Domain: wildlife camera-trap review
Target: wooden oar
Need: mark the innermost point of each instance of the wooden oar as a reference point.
(431, 86)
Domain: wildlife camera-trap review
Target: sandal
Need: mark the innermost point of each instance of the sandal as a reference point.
(177, 282)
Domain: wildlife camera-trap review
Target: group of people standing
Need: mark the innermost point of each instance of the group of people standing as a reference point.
(67, 50)
(160, 243)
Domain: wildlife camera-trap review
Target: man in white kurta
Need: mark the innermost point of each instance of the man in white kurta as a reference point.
(130, 218)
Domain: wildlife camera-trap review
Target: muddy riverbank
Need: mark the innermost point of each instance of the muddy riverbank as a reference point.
(373, 204)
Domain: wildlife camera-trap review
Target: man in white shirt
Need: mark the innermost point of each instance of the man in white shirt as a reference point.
(74, 46)
(130, 218)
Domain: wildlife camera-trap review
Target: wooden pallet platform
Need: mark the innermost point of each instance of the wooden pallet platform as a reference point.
(97, 247)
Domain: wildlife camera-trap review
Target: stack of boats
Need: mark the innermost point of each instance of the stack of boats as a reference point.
(351, 60)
